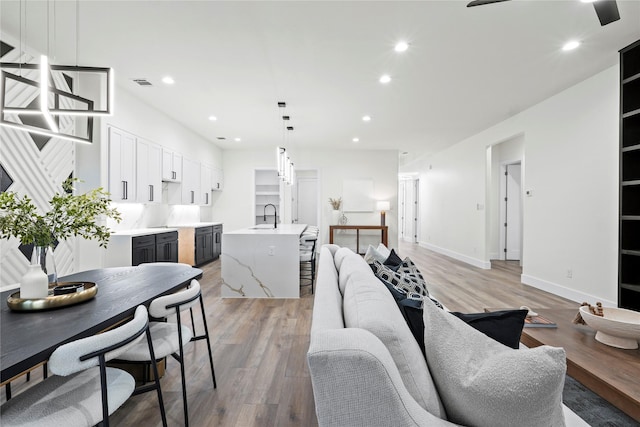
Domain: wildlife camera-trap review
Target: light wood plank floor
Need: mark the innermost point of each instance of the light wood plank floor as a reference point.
(260, 347)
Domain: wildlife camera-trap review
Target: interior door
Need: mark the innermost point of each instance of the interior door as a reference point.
(513, 217)
(306, 206)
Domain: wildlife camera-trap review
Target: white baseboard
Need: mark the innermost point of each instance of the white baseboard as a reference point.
(564, 292)
(485, 265)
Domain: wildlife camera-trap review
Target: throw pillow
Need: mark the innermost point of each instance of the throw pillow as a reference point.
(383, 250)
(402, 281)
(484, 383)
(503, 326)
(373, 254)
(393, 261)
(408, 267)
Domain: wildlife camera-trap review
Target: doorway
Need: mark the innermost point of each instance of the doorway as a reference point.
(305, 198)
(511, 212)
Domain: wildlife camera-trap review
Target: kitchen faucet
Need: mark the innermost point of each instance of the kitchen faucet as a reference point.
(275, 214)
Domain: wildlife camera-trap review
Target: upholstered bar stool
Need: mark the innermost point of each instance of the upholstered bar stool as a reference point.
(308, 258)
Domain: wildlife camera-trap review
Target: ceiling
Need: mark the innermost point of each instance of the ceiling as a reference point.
(465, 70)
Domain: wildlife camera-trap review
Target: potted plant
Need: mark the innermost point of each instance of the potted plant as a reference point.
(70, 215)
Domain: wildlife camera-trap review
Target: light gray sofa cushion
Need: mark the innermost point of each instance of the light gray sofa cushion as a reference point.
(369, 305)
(351, 262)
(484, 383)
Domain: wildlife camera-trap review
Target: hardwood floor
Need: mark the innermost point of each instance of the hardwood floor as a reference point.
(260, 345)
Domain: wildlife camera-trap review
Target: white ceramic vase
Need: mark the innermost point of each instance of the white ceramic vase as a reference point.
(335, 217)
(34, 284)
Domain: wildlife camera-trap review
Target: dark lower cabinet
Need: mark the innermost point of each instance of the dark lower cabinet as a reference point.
(217, 241)
(204, 245)
(167, 247)
(162, 247)
(143, 249)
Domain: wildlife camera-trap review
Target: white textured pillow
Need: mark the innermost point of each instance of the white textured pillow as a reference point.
(373, 254)
(383, 250)
(484, 383)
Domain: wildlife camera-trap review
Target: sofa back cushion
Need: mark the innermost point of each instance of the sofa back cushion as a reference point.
(327, 313)
(350, 263)
(369, 305)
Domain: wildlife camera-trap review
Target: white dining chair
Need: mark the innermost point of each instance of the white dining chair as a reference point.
(83, 391)
(170, 339)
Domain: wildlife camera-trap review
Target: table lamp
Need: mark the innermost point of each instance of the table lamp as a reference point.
(382, 205)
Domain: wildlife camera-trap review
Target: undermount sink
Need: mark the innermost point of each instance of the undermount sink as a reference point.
(262, 227)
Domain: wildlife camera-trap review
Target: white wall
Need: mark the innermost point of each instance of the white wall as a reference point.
(571, 165)
(235, 204)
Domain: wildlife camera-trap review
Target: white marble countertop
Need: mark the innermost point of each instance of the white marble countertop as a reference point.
(267, 229)
(142, 231)
(195, 225)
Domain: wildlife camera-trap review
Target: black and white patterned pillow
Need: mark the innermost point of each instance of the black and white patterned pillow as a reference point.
(403, 282)
(408, 267)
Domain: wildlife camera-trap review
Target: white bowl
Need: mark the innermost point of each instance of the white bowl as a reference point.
(618, 327)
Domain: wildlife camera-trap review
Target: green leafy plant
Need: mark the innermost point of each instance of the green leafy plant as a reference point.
(335, 203)
(70, 215)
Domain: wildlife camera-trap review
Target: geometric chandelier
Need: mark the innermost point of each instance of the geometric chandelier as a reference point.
(54, 102)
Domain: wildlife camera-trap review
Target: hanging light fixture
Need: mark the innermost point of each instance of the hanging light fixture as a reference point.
(64, 102)
(285, 165)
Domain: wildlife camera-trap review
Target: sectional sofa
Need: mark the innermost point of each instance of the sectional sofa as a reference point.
(367, 368)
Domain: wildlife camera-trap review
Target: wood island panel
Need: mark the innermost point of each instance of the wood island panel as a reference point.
(187, 245)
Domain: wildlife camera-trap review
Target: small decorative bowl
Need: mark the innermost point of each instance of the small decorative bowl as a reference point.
(617, 328)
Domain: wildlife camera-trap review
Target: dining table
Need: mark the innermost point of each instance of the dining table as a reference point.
(28, 338)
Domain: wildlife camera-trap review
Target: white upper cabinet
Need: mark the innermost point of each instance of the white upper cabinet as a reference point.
(148, 172)
(171, 166)
(218, 179)
(188, 191)
(205, 184)
(121, 170)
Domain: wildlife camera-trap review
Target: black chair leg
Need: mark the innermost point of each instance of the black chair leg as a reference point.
(206, 334)
(7, 389)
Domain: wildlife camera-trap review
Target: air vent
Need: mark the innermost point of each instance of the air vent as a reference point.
(142, 82)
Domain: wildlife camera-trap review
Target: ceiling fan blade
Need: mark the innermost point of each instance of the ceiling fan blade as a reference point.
(483, 2)
(607, 11)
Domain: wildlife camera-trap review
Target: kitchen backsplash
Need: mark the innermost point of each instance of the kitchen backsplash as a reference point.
(135, 215)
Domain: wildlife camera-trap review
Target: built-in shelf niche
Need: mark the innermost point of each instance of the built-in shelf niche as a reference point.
(629, 250)
(267, 191)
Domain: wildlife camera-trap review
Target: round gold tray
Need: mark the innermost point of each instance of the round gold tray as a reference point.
(16, 303)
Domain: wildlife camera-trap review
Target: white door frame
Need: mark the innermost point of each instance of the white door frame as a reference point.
(503, 217)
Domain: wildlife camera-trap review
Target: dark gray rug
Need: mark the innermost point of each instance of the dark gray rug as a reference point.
(592, 408)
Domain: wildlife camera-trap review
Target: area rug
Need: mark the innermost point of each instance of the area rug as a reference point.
(596, 411)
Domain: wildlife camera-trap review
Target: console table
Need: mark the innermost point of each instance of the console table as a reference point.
(609, 372)
(383, 229)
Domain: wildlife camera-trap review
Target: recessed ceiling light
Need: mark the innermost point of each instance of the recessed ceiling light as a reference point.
(213, 118)
(366, 118)
(571, 45)
(168, 80)
(587, 1)
(356, 139)
(401, 46)
(237, 139)
(385, 78)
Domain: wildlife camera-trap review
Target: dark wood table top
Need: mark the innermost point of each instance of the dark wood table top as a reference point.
(29, 338)
(610, 372)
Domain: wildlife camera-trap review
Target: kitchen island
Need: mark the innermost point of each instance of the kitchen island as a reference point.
(262, 262)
